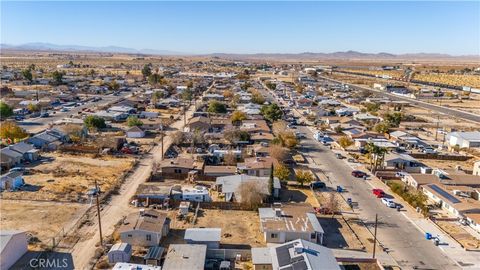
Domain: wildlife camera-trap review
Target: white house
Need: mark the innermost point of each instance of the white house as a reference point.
(135, 132)
(464, 139)
(13, 246)
(196, 194)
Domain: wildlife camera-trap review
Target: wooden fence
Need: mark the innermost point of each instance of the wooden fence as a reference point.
(440, 157)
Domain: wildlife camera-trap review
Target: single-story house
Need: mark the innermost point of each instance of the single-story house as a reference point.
(120, 252)
(185, 257)
(257, 166)
(206, 236)
(230, 185)
(154, 192)
(27, 150)
(144, 228)
(135, 132)
(400, 161)
(296, 254)
(10, 158)
(196, 194)
(180, 167)
(464, 139)
(199, 123)
(13, 246)
(286, 222)
(217, 171)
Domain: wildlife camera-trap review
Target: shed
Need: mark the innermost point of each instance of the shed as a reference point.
(120, 252)
(154, 256)
(135, 132)
(207, 236)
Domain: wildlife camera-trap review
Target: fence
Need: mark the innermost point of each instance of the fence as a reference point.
(229, 254)
(440, 157)
(229, 206)
(80, 149)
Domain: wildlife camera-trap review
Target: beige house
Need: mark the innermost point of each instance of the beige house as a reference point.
(257, 166)
(145, 228)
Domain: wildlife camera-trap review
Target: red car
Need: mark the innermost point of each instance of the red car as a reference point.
(378, 192)
(358, 174)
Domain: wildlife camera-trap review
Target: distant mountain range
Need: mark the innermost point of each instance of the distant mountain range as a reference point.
(39, 46)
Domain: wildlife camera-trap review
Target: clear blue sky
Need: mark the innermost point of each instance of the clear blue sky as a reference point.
(249, 27)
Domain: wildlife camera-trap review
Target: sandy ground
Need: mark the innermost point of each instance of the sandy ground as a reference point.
(43, 220)
(459, 234)
(240, 229)
(69, 177)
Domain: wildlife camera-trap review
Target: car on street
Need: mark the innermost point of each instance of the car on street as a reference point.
(379, 193)
(339, 156)
(389, 202)
(358, 174)
(317, 184)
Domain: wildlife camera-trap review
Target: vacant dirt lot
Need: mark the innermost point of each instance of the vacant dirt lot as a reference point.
(43, 220)
(240, 229)
(68, 177)
(462, 236)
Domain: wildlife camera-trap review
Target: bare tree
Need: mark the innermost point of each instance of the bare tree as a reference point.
(278, 152)
(230, 159)
(332, 204)
(177, 137)
(251, 195)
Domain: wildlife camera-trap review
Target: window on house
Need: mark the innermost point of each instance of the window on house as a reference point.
(273, 235)
(129, 235)
(313, 236)
(149, 237)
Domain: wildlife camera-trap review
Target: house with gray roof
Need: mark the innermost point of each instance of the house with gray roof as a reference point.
(206, 236)
(11, 180)
(13, 245)
(10, 158)
(185, 257)
(27, 150)
(464, 139)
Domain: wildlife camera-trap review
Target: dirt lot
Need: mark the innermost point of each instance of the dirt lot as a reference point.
(240, 229)
(43, 220)
(459, 234)
(297, 194)
(65, 177)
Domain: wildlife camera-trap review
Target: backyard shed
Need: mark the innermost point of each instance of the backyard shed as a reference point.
(120, 252)
(207, 236)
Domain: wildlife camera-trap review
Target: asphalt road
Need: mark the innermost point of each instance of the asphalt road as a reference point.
(403, 241)
(38, 124)
(444, 110)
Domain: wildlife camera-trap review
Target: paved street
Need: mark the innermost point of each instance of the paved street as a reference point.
(441, 109)
(402, 239)
(405, 243)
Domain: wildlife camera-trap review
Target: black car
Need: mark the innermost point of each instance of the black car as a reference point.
(317, 184)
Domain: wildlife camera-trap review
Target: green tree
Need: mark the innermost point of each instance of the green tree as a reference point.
(216, 107)
(372, 107)
(155, 79)
(393, 119)
(57, 76)
(93, 121)
(271, 112)
(5, 110)
(33, 107)
(382, 127)
(376, 155)
(133, 121)
(303, 177)
(11, 131)
(282, 172)
(27, 75)
(187, 94)
(271, 85)
(147, 70)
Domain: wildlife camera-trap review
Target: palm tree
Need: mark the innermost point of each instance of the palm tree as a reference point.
(377, 155)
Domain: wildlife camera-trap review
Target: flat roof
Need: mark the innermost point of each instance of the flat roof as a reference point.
(185, 257)
(203, 234)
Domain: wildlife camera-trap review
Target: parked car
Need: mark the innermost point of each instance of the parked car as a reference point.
(17, 169)
(429, 151)
(339, 156)
(389, 202)
(378, 192)
(317, 184)
(358, 174)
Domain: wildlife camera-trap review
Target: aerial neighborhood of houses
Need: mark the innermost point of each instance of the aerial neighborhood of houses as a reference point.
(156, 163)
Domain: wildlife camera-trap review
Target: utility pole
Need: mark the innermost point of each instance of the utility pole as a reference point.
(438, 123)
(161, 138)
(375, 235)
(98, 213)
(184, 115)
